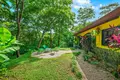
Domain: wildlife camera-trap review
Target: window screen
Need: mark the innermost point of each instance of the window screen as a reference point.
(105, 34)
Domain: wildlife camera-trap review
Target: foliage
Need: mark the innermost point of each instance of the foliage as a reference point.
(74, 64)
(78, 74)
(108, 8)
(2, 56)
(107, 59)
(88, 42)
(76, 53)
(75, 69)
(79, 27)
(43, 22)
(46, 20)
(85, 14)
(7, 45)
(91, 58)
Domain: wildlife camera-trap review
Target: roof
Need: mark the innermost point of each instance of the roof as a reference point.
(110, 16)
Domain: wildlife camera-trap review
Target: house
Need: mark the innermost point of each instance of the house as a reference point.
(107, 29)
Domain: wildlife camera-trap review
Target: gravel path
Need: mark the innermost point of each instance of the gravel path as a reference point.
(92, 72)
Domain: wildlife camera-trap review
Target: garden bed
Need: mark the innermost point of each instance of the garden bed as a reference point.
(93, 72)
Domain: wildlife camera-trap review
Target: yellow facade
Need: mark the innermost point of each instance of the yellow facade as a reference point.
(115, 22)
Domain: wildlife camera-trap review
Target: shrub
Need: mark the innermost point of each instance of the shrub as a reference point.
(108, 59)
(75, 69)
(73, 64)
(70, 78)
(40, 50)
(79, 75)
(77, 53)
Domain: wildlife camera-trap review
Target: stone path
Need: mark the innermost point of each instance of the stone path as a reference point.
(92, 72)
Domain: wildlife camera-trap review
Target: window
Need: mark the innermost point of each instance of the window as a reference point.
(106, 34)
(111, 37)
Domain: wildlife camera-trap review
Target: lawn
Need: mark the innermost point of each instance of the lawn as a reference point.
(42, 69)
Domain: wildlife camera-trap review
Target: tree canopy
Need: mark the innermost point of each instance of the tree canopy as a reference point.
(108, 8)
(85, 14)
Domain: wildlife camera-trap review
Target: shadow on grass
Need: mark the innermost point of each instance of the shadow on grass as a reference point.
(26, 58)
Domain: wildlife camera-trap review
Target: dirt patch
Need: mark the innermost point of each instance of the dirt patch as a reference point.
(53, 54)
(92, 72)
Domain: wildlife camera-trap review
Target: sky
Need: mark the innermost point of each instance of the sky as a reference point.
(95, 4)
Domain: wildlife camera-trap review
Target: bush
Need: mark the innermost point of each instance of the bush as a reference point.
(75, 69)
(73, 64)
(40, 50)
(108, 59)
(77, 53)
(79, 75)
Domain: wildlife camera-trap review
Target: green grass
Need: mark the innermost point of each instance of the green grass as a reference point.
(57, 48)
(25, 58)
(29, 68)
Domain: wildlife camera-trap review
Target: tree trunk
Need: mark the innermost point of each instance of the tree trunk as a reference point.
(59, 37)
(50, 38)
(18, 20)
(58, 41)
(17, 37)
(40, 41)
(18, 26)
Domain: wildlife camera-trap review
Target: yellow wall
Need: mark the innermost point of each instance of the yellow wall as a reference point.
(114, 22)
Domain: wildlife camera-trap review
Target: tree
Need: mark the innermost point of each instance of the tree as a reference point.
(79, 27)
(55, 15)
(84, 15)
(108, 8)
(4, 11)
(19, 12)
(40, 18)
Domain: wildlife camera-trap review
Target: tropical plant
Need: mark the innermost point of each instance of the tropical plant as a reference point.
(8, 44)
